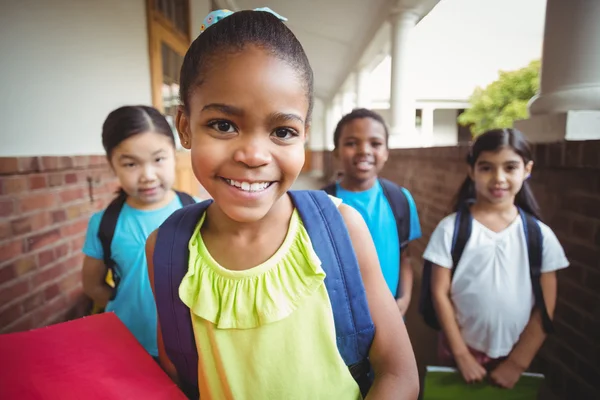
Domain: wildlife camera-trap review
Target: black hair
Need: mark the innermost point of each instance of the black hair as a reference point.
(495, 140)
(358, 113)
(231, 35)
(128, 121)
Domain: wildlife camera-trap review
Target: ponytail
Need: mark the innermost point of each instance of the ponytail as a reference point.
(526, 201)
(465, 195)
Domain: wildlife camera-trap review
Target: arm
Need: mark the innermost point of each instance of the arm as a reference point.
(470, 369)
(166, 364)
(94, 281)
(391, 353)
(507, 374)
(406, 281)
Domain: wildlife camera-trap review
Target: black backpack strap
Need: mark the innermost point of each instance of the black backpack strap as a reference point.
(185, 198)
(463, 225)
(106, 231)
(400, 208)
(535, 249)
(330, 189)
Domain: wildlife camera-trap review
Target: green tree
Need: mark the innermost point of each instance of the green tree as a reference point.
(503, 101)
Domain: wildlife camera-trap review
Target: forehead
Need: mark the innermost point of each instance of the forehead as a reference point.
(251, 79)
(501, 156)
(143, 144)
(363, 128)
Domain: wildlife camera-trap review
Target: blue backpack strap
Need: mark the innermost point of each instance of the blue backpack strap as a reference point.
(185, 198)
(332, 244)
(171, 257)
(463, 224)
(535, 250)
(400, 208)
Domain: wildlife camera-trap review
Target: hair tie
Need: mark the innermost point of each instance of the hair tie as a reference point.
(215, 16)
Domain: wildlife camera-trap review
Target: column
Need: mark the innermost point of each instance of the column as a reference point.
(427, 126)
(362, 91)
(568, 104)
(402, 102)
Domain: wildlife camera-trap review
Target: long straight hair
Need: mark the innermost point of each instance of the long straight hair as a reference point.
(494, 140)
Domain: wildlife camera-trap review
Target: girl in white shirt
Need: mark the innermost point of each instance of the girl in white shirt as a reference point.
(486, 310)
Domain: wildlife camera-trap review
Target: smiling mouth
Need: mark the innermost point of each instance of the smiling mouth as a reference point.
(248, 186)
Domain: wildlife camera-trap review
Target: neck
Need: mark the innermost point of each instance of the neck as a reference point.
(356, 185)
(507, 207)
(219, 223)
(138, 205)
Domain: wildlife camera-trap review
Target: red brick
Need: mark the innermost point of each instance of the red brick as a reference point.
(25, 323)
(10, 314)
(38, 182)
(48, 275)
(74, 228)
(73, 262)
(33, 301)
(65, 162)
(81, 161)
(6, 207)
(9, 165)
(24, 265)
(43, 239)
(5, 230)
(46, 257)
(49, 163)
(51, 291)
(61, 251)
(10, 250)
(38, 201)
(55, 179)
(77, 243)
(29, 164)
(13, 291)
(70, 178)
(70, 282)
(70, 195)
(59, 216)
(50, 310)
(14, 185)
(7, 273)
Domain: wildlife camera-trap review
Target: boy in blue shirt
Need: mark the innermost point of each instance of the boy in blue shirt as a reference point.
(361, 146)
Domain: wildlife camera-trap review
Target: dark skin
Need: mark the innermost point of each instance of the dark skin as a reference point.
(258, 137)
(362, 151)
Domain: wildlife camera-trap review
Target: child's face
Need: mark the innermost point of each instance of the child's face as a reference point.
(499, 175)
(246, 130)
(362, 149)
(145, 166)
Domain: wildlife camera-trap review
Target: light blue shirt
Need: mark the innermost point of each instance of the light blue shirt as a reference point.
(134, 303)
(377, 213)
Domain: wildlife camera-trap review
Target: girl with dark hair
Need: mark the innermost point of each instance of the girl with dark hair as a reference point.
(485, 304)
(252, 284)
(140, 149)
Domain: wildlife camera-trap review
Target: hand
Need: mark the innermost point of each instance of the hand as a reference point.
(506, 374)
(470, 369)
(403, 304)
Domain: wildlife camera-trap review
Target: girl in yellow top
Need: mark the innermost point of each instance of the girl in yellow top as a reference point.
(261, 315)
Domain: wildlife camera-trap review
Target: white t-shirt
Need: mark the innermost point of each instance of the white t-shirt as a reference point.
(491, 289)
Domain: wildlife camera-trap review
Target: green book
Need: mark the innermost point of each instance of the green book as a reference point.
(444, 383)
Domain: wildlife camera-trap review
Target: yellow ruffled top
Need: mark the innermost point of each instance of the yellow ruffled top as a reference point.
(265, 332)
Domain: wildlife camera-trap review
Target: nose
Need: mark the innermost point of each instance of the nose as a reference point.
(500, 176)
(365, 148)
(148, 173)
(253, 152)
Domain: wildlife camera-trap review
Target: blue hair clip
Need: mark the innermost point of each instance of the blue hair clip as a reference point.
(215, 16)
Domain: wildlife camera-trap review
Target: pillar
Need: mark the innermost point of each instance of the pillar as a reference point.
(402, 101)
(568, 104)
(362, 92)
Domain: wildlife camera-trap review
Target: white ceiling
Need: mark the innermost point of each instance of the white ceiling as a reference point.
(334, 33)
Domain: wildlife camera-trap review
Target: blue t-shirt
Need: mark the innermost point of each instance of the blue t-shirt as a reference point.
(134, 303)
(377, 213)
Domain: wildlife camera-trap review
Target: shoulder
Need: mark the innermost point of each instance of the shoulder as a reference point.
(446, 225)
(94, 222)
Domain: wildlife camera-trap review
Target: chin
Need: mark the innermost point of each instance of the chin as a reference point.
(244, 215)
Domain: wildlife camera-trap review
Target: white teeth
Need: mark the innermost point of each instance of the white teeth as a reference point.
(249, 187)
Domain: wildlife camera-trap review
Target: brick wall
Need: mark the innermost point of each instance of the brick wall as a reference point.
(45, 204)
(566, 182)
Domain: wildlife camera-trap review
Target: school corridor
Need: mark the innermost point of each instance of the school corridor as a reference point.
(67, 63)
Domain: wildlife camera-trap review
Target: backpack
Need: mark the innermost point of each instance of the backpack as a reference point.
(106, 231)
(332, 244)
(398, 203)
(462, 231)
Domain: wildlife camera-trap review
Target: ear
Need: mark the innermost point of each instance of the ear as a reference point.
(182, 123)
(528, 169)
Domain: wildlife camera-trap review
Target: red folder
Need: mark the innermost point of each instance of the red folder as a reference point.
(91, 358)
